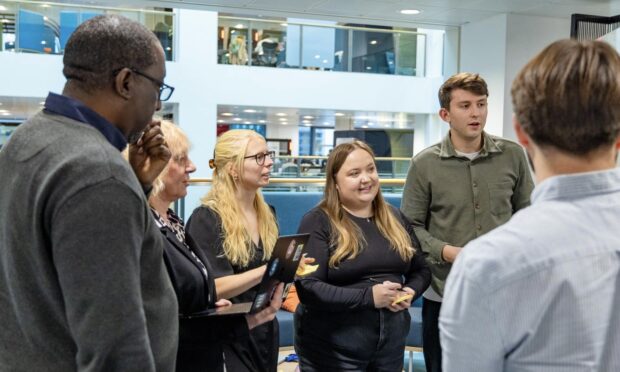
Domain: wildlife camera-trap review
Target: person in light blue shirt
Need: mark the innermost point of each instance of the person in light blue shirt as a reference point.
(542, 292)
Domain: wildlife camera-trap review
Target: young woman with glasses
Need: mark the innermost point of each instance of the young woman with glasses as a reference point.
(237, 230)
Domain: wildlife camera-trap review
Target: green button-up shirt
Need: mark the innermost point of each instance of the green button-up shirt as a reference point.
(452, 200)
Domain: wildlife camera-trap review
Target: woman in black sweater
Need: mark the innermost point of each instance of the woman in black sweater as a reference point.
(352, 314)
(201, 339)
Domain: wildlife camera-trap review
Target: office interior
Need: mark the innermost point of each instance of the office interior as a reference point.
(265, 65)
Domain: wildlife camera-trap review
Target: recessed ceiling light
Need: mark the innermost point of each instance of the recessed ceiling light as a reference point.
(237, 119)
(2, 8)
(308, 124)
(410, 11)
(45, 5)
(240, 25)
(339, 114)
(280, 114)
(283, 24)
(220, 121)
(262, 121)
(5, 113)
(227, 114)
(373, 42)
(283, 119)
(368, 68)
(4, 20)
(317, 56)
(249, 111)
(308, 117)
(284, 123)
(364, 126)
(326, 123)
(325, 61)
(247, 122)
(306, 121)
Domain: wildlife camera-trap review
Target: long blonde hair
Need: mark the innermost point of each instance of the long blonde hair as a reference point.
(346, 236)
(229, 154)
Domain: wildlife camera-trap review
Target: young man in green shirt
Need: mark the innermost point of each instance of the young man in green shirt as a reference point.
(459, 189)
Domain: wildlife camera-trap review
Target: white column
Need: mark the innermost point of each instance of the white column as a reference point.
(497, 48)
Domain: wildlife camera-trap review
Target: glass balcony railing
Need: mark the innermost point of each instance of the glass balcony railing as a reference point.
(296, 190)
(37, 27)
(321, 46)
(304, 167)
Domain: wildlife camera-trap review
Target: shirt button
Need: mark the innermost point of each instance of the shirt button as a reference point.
(475, 184)
(479, 227)
(477, 206)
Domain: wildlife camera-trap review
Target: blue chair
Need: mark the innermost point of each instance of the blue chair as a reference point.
(287, 330)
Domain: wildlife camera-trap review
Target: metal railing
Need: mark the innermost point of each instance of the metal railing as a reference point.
(320, 46)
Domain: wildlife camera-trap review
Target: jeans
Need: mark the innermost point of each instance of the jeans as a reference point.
(363, 340)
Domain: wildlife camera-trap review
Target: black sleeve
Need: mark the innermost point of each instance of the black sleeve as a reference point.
(213, 329)
(314, 290)
(205, 228)
(419, 276)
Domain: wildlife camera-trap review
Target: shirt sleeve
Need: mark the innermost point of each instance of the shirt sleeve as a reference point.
(419, 275)
(205, 228)
(470, 338)
(97, 237)
(415, 205)
(524, 186)
(314, 290)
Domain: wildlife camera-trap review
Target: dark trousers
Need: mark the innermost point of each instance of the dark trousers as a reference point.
(367, 340)
(430, 335)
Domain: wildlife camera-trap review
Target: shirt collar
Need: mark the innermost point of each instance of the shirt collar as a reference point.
(489, 145)
(76, 110)
(571, 186)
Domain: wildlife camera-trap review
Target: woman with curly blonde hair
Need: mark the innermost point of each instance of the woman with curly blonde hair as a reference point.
(353, 313)
(236, 230)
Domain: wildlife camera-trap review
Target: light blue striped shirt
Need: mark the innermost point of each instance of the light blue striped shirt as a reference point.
(541, 292)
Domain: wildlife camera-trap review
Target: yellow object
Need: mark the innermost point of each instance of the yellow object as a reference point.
(309, 269)
(402, 298)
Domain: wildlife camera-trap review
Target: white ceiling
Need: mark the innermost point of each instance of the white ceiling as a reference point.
(387, 12)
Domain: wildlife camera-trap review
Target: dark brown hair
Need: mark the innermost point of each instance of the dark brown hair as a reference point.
(568, 96)
(464, 80)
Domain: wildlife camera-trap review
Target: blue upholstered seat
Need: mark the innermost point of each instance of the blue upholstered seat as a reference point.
(287, 331)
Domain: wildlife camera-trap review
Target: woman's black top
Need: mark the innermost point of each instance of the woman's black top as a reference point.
(201, 339)
(349, 286)
(260, 351)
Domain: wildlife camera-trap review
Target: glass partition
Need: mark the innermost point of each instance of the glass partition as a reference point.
(298, 187)
(313, 167)
(35, 27)
(324, 46)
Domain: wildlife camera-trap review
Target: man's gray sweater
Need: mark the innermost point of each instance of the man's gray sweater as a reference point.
(83, 286)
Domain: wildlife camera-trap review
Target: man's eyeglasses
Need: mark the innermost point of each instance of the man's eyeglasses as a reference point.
(260, 157)
(165, 90)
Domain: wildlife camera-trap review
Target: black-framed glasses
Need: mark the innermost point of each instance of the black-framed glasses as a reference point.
(165, 90)
(260, 157)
